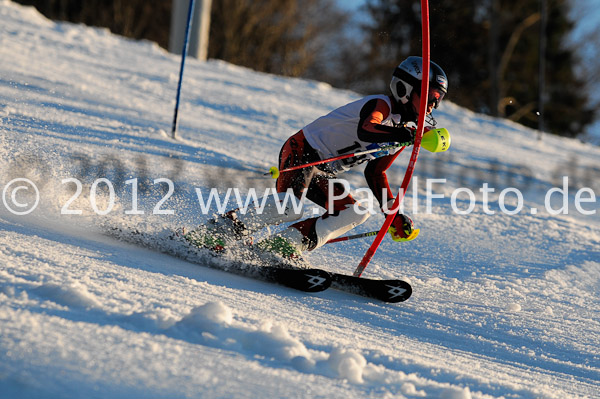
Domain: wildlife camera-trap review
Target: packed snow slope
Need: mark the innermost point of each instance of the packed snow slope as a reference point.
(506, 283)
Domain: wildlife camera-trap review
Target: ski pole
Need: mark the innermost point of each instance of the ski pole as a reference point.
(434, 140)
(352, 237)
(411, 237)
(274, 171)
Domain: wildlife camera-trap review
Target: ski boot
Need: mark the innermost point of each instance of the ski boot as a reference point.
(289, 244)
(217, 233)
(280, 246)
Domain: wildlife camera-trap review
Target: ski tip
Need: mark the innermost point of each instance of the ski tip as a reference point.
(398, 291)
(391, 291)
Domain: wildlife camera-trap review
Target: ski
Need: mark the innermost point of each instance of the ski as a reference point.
(251, 263)
(317, 280)
(307, 280)
(391, 291)
(257, 264)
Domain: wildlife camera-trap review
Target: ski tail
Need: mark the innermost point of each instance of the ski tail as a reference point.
(307, 280)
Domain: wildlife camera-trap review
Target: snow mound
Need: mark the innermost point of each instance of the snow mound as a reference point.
(67, 294)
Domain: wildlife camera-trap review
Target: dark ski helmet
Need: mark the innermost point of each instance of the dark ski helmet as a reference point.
(408, 76)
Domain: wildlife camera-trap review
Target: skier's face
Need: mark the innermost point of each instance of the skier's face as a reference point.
(416, 103)
(433, 100)
(435, 97)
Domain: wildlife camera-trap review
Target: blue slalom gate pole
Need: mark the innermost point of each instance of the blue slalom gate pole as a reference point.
(183, 54)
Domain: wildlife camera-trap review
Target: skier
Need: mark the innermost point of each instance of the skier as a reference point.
(372, 122)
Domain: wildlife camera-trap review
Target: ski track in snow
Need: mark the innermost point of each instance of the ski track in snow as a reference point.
(504, 306)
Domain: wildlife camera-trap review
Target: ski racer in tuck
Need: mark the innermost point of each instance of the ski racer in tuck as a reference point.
(372, 122)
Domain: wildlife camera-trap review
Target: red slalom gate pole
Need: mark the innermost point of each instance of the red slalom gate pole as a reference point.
(418, 136)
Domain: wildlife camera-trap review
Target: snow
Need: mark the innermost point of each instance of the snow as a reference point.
(504, 305)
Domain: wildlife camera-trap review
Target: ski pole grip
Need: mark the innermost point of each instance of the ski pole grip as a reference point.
(436, 140)
(274, 172)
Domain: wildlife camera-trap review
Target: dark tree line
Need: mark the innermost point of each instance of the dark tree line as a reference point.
(287, 37)
(490, 51)
(137, 19)
(489, 48)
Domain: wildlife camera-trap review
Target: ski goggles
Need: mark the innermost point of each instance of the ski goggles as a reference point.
(435, 97)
